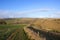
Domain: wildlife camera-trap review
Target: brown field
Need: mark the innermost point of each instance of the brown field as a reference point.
(37, 28)
(53, 24)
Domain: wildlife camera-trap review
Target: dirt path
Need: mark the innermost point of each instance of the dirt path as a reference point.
(32, 35)
(44, 34)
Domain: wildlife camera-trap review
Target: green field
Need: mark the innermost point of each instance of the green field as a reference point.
(12, 32)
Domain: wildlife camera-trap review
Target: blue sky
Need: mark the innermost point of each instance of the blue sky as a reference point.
(30, 8)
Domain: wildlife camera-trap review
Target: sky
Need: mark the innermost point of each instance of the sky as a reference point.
(29, 8)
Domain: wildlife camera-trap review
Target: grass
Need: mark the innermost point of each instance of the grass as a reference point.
(7, 30)
(16, 24)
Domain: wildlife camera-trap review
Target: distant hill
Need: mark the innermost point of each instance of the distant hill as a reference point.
(41, 23)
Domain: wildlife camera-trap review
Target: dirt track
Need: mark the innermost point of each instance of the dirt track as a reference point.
(41, 34)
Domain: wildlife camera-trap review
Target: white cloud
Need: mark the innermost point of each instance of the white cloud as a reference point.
(36, 10)
(58, 13)
(7, 13)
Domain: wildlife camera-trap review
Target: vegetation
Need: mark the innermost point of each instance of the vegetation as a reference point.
(12, 29)
(3, 22)
(15, 32)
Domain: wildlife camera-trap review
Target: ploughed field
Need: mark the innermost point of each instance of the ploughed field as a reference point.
(12, 32)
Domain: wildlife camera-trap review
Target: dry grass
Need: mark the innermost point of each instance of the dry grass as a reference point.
(42, 23)
(53, 24)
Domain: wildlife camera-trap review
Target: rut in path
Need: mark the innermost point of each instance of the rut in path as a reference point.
(19, 34)
(11, 36)
(32, 35)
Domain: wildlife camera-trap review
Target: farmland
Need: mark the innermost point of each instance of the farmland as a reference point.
(30, 29)
(12, 32)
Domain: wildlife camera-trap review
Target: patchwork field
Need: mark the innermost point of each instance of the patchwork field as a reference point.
(12, 32)
(36, 28)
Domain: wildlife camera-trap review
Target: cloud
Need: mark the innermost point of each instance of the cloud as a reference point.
(36, 10)
(57, 13)
(12, 14)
